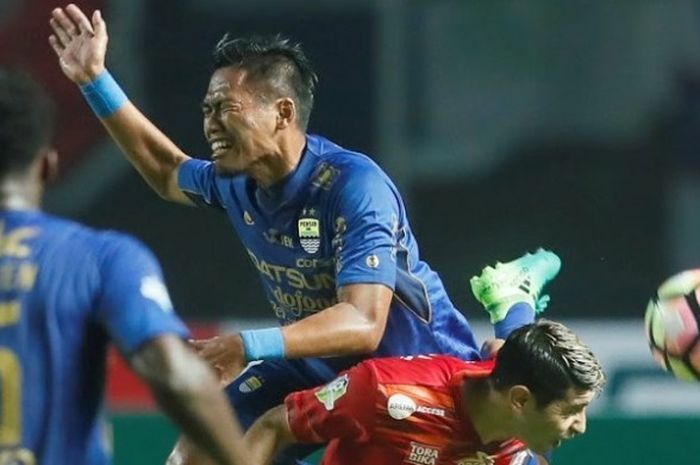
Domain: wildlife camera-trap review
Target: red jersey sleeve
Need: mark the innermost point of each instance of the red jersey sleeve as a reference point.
(344, 408)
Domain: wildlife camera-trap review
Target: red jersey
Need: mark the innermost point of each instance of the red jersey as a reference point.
(397, 411)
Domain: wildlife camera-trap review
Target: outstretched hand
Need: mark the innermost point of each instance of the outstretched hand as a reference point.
(224, 353)
(80, 43)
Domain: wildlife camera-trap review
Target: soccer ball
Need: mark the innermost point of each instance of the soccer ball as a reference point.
(672, 323)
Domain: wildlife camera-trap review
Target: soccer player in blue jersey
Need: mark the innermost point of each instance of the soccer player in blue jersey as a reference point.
(65, 292)
(324, 226)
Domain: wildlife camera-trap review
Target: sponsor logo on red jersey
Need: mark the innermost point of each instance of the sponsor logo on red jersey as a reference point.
(421, 454)
(401, 406)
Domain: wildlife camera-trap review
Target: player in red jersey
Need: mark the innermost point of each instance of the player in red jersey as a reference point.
(435, 410)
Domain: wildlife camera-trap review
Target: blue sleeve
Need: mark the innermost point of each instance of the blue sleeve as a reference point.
(197, 179)
(365, 222)
(134, 306)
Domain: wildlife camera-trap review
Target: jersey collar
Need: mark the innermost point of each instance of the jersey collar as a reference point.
(287, 189)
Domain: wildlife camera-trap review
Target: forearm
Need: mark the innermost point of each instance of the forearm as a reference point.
(268, 435)
(336, 331)
(187, 391)
(150, 151)
(201, 414)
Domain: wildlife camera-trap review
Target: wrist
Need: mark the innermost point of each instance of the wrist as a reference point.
(263, 344)
(89, 75)
(103, 94)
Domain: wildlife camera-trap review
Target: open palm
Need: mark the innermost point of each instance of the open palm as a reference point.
(79, 43)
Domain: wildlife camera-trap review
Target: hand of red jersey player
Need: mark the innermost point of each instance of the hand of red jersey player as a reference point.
(490, 348)
(80, 43)
(224, 353)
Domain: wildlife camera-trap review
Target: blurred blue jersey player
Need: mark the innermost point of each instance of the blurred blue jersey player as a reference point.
(65, 292)
(325, 227)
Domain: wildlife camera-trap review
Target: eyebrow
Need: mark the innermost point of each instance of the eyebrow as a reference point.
(217, 100)
(580, 404)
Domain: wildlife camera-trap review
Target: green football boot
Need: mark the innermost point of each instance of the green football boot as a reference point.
(521, 280)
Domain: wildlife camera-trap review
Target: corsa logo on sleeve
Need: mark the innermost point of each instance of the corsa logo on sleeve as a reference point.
(420, 454)
(333, 391)
(481, 458)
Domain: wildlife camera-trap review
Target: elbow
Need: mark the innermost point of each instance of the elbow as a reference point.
(370, 338)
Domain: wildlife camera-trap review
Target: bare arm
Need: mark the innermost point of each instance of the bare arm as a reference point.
(187, 391)
(355, 325)
(81, 46)
(268, 435)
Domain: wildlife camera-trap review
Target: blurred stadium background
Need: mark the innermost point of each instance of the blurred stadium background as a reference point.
(507, 125)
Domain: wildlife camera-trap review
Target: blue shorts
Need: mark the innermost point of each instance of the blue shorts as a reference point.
(265, 385)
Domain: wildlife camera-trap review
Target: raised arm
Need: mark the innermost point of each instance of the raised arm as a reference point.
(187, 391)
(81, 45)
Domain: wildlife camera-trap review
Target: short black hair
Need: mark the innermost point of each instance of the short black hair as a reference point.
(549, 359)
(26, 120)
(274, 60)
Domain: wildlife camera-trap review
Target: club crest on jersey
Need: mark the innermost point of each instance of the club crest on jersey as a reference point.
(420, 454)
(333, 391)
(309, 231)
(251, 384)
(481, 458)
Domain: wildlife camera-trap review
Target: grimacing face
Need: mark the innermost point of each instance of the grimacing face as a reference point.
(239, 126)
(544, 428)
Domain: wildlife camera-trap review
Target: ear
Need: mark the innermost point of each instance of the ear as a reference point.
(48, 165)
(286, 112)
(520, 397)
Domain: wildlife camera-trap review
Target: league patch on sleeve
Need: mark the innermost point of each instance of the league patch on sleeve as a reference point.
(153, 289)
(372, 261)
(333, 391)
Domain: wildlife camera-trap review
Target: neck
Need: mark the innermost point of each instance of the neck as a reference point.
(17, 193)
(276, 167)
(485, 408)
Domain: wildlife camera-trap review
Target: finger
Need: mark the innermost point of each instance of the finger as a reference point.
(198, 342)
(55, 45)
(79, 18)
(63, 37)
(65, 22)
(98, 24)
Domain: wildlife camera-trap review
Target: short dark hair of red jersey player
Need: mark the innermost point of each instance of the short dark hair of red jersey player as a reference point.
(433, 409)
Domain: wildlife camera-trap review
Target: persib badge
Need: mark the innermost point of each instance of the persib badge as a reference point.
(309, 232)
(333, 391)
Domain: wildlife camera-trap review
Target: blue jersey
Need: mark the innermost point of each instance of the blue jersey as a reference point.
(336, 220)
(65, 291)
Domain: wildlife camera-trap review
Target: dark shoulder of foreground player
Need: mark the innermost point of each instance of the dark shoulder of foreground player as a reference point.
(73, 289)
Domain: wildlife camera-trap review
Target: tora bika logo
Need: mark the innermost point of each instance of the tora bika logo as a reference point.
(420, 454)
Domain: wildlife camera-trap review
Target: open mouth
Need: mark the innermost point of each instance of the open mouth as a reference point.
(218, 147)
